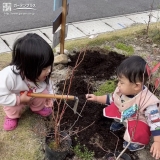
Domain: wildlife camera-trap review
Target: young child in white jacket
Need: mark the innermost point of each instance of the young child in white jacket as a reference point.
(29, 71)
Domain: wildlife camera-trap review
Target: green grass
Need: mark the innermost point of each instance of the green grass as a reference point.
(102, 38)
(107, 87)
(5, 59)
(128, 49)
(22, 143)
(155, 36)
(108, 48)
(116, 36)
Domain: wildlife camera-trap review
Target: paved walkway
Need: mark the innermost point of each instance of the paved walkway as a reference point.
(83, 28)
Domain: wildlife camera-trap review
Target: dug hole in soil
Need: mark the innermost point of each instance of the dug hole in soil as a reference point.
(97, 66)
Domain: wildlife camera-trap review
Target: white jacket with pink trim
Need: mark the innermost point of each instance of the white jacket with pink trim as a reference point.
(11, 85)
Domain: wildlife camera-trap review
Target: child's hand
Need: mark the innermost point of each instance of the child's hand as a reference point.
(155, 149)
(49, 103)
(91, 97)
(24, 98)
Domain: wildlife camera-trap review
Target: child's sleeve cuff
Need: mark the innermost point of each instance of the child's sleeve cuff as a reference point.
(155, 133)
(17, 100)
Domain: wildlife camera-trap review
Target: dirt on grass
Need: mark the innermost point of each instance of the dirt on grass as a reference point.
(92, 128)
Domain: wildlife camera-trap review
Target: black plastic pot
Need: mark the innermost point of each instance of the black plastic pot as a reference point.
(51, 154)
(110, 156)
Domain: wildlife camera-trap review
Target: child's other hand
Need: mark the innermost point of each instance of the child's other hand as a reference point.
(91, 97)
(24, 98)
(155, 149)
(49, 103)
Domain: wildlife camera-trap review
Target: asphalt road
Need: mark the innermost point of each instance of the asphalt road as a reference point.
(42, 14)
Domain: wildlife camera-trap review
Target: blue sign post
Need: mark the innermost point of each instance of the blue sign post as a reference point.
(57, 4)
(61, 19)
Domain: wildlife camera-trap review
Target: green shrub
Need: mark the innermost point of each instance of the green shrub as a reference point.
(82, 152)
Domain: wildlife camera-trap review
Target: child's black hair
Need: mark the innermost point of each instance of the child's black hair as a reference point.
(31, 54)
(134, 69)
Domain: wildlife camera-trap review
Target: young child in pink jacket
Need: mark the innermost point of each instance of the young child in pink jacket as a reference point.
(133, 106)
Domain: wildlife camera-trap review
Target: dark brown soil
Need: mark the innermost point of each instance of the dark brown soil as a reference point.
(97, 65)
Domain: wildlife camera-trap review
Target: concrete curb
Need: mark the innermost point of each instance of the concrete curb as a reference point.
(83, 29)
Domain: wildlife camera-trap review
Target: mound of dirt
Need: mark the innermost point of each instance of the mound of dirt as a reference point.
(97, 63)
(92, 128)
